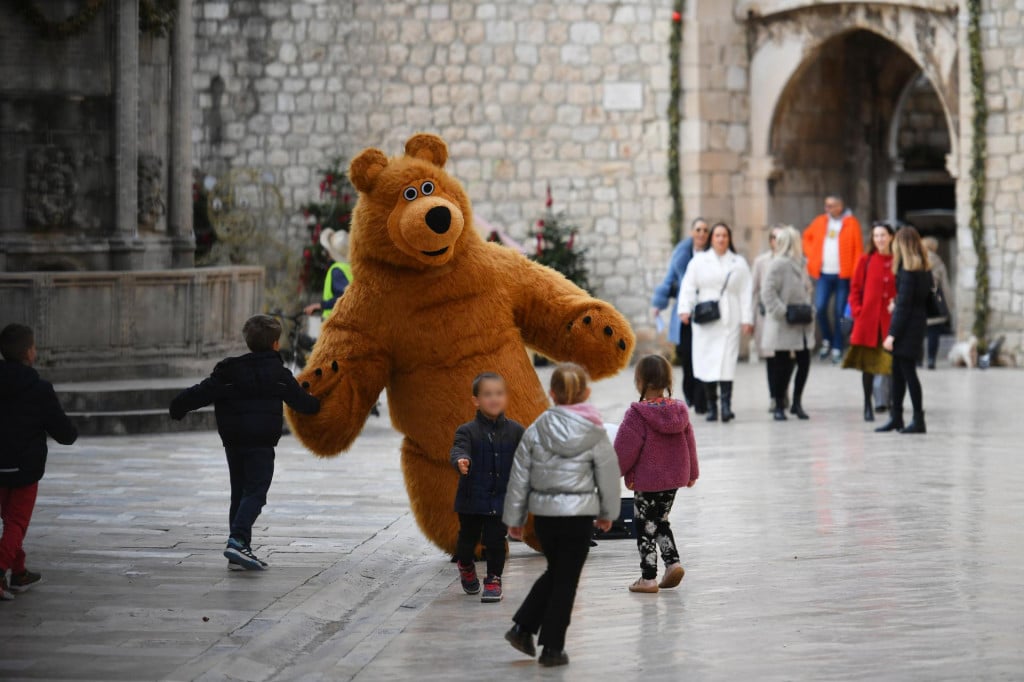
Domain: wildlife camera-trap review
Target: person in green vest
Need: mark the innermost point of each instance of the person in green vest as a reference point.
(339, 275)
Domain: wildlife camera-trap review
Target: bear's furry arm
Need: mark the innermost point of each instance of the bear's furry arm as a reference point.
(346, 372)
(563, 322)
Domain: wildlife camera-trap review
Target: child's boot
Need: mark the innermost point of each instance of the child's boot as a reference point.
(470, 582)
(492, 589)
(644, 586)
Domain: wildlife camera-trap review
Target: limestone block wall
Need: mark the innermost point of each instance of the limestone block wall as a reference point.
(1003, 53)
(526, 93)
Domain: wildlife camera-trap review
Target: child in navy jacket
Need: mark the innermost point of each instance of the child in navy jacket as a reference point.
(483, 453)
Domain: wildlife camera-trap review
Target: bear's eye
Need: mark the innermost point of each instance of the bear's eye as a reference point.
(427, 188)
(410, 193)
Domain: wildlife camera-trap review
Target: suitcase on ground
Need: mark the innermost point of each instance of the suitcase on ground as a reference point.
(624, 527)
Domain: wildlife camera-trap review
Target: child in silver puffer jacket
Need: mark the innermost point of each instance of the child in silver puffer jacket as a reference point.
(566, 474)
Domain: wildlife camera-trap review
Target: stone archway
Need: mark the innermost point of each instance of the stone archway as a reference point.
(832, 128)
(792, 44)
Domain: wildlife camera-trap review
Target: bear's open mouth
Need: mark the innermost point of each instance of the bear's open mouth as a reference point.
(439, 252)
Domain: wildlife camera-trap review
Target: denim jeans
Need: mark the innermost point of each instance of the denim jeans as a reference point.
(827, 287)
(251, 470)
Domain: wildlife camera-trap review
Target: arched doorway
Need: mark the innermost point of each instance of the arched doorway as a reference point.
(858, 118)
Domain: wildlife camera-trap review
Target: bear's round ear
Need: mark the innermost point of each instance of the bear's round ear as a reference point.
(365, 168)
(430, 148)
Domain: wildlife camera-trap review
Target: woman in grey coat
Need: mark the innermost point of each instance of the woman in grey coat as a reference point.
(787, 288)
(566, 474)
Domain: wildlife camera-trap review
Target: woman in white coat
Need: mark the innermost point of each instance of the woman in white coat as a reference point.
(718, 274)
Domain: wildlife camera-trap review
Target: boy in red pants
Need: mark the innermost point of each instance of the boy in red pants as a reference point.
(29, 410)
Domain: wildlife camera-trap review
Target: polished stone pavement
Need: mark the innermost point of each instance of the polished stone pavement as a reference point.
(814, 551)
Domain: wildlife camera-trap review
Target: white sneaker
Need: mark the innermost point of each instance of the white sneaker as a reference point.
(825, 348)
(837, 356)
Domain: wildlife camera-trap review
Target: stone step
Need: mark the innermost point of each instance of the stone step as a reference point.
(129, 407)
(131, 422)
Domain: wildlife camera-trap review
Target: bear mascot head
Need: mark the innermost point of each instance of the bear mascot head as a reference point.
(431, 306)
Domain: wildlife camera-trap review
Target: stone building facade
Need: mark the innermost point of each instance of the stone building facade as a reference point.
(783, 101)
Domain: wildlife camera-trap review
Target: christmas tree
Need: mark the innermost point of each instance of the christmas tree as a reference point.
(332, 210)
(556, 245)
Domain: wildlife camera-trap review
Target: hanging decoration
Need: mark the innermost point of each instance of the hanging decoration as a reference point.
(675, 42)
(979, 151)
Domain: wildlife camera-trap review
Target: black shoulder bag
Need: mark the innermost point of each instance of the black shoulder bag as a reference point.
(709, 311)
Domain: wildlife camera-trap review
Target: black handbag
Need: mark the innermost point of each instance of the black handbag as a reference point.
(709, 311)
(799, 313)
(938, 309)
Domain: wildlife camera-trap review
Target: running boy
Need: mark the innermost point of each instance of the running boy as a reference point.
(246, 392)
(483, 453)
(29, 411)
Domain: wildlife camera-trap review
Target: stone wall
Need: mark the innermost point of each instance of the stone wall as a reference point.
(1003, 53)
(526, 94)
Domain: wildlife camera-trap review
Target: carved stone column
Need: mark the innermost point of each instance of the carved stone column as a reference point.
(179, 222)
(125, 251)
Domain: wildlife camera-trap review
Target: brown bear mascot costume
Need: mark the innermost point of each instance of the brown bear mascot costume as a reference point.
(431, 306)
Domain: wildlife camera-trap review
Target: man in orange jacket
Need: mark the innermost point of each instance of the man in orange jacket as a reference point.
(832, 244)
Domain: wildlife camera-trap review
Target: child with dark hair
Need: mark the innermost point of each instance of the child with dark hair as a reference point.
(247, 392)
(29, 412)
(657, 455)
(482, 454)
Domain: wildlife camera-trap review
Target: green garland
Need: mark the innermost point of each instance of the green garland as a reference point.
(675, 42)
(72, 26)
(978, 157)
(156, 17)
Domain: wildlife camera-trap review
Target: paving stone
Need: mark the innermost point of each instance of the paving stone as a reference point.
(814, 550)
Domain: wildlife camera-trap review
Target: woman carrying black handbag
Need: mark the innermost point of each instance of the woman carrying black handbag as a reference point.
(789, 321)
(909, 324)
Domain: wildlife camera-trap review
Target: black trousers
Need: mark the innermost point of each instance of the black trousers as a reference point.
(548, 608)
(782, 369)
(252, 470)
(904, 378)
(693, 390)
(493, 531)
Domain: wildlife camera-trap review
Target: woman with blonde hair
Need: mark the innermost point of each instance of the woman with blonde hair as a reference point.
(907, 329)
(789, 320)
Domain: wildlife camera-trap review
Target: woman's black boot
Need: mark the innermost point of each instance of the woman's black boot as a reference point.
(727, 413)
(711, 394)
(916, 424)
(798, 411)
(895, 422)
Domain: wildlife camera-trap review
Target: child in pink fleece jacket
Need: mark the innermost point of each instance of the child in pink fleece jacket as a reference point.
(657, 456)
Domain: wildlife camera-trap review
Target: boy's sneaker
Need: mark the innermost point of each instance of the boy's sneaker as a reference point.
(492, 589)
(5, 587)
(235, 566)
(238, 553)
(21, 582)
(470, 583)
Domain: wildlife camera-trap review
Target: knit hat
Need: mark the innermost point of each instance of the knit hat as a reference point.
(335, 242)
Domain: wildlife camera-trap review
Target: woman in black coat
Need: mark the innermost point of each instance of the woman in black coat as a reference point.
(908, 328)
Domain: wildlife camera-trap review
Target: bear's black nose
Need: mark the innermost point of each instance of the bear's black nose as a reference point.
(439, 219)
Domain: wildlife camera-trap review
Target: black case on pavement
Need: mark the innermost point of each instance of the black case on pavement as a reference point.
(624, 528)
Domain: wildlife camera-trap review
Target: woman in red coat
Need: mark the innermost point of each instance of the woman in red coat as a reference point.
(872, 287)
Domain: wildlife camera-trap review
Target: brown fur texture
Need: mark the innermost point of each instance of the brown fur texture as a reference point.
(431, 306)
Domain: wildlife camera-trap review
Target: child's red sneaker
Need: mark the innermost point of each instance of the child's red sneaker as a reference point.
(470, 582)
(492, 589)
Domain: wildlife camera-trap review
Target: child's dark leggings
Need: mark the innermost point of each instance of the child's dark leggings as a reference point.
(654, 531)
(252, 470)
(474, 526)
(548, 608)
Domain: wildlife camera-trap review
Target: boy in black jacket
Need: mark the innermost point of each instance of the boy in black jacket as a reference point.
(483, 452)
(29, 410)
(247, 392)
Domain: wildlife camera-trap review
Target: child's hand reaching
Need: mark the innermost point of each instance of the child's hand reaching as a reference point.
(463, 466)
(603, 525)
(515, 532)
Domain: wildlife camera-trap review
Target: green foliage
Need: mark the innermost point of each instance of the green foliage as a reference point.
(675, 183)
(556, 246)
(979, 153)
(156, 17)
(332, 210)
